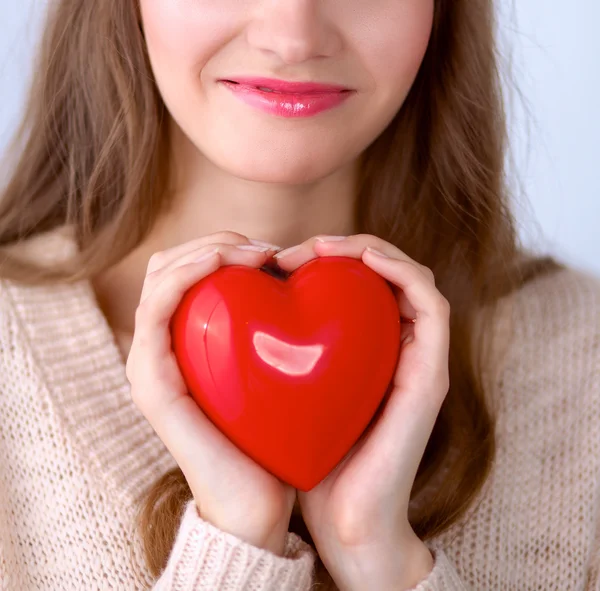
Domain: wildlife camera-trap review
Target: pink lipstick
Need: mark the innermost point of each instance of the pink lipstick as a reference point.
(287, 99)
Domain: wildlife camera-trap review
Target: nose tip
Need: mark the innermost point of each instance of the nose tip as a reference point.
(295, 52)
(295, 31)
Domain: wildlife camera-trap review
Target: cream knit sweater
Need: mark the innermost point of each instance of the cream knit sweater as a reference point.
(76, 457)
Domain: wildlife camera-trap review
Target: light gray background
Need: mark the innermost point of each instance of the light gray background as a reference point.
(555, 53)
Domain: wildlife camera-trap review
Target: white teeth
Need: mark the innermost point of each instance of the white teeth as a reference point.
(265, 89)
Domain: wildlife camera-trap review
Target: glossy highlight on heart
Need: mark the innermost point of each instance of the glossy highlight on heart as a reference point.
(291, 371)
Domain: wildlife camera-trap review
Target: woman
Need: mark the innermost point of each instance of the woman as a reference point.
(148, 160)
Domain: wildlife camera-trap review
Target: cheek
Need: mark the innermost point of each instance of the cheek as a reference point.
(182, 35)
(393, 43)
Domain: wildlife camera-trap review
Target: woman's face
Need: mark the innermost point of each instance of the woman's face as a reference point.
(372, 47)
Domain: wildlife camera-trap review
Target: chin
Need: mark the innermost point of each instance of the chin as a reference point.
(278, 171)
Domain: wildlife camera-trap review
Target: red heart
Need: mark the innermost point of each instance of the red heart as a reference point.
(291, 371)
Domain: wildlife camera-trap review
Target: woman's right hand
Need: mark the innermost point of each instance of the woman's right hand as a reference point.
(231, 491)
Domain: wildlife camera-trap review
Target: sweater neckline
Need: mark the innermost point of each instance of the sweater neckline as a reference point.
(77, 355)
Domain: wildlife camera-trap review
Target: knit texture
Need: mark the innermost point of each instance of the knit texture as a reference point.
(206, 558)
(76, 458)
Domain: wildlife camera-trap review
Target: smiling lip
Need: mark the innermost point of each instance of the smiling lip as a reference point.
(287, 99)
(288, 87)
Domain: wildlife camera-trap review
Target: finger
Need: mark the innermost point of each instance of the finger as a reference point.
(166, 257)
(354, 246)
(154, 314)
(292, 258)
(238, 254)
(295, 256)
(350, 246)
(432, 311)
(422, 380)
(167, 283)
(407, 310)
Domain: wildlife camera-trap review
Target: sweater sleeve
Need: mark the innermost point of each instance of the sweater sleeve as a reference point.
(205, 557)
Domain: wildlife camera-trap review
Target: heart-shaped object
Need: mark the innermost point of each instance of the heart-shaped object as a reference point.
(291, 371)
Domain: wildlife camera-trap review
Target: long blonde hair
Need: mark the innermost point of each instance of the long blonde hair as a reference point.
(93, 154)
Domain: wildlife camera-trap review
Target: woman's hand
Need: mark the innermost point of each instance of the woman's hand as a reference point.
(358, 515)
(231, 490)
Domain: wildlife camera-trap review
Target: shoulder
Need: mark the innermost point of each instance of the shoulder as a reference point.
(8, 318)
(16, 361)
(548, 392)
(21, 303)
(18, 369)
(564, 304)
(555, 322)
(44, 250)
(549, 326)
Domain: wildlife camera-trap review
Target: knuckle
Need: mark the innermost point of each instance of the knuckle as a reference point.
(413, 269)
(156, 261)
(428, 272)
(229, 237)
(152, 277)
(173, 284)
(443, 305)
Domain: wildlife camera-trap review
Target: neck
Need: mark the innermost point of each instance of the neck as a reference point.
(206, 199)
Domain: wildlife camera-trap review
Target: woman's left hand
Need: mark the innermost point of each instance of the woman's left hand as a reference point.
(358, 515)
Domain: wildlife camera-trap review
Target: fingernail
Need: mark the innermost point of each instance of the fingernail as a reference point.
(252, 247)
(377, 252)
(207, 255)
(267, 244)
(331, 238)
(284, 253)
